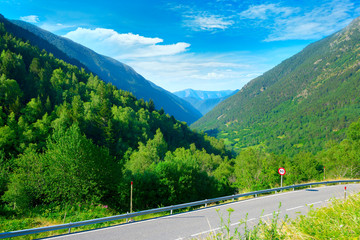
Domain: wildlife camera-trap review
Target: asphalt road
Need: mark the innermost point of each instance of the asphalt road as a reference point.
(200, 223)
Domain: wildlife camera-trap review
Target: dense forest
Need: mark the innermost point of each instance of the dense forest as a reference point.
(297, 106)
(66, 138)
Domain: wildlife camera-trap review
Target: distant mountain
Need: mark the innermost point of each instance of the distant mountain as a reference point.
(202, 95)
(108, 69)
(204, 101)
(299, 105)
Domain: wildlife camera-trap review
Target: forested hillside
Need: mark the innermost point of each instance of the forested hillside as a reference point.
(108, 69)
(67, 137)
(304, 102)
(68, 140)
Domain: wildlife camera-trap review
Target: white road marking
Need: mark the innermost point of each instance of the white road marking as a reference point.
(216, 229)
(289, 209)
(309, 204)
(211, 230)
(202, 209)
(270, 214)
(169, 216)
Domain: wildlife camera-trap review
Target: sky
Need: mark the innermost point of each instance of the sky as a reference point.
(179, 44)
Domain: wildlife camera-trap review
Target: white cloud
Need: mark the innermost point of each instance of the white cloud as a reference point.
(54, 27)
(211, 76)
(156, 50)
(201, 71)
(123, 45)
(264, 11)
(222, 64)
(207, 22)
(288, 23)
(30, 19)
(172, 67)
(198, 20)
(321, 21)
(111, 36)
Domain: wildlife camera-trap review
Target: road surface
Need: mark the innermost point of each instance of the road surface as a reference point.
(200, 223)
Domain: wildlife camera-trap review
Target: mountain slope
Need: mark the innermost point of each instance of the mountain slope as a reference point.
(298, 105)
(204, 101)
(66, 137)
(108, 69)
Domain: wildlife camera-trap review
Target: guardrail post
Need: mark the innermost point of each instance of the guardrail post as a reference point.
(255, 195)
(345, 193)
(171, 211)
(70, 228)
(233, 199)
(205, 203)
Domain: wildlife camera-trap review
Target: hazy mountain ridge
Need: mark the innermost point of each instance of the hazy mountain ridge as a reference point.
(202, 95)
(303, 102)
(204, 101)
(108, 69)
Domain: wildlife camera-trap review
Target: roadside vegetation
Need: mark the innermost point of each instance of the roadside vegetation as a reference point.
(339, 220)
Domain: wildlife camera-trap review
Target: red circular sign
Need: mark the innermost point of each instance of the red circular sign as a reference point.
(281, 171)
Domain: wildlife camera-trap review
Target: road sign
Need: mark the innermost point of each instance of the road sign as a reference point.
(281, 171)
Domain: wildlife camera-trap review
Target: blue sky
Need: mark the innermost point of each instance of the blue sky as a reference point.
(204, 45)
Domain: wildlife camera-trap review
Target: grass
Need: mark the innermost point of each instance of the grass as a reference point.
(339, 220)
(11, 220)
(263, 230)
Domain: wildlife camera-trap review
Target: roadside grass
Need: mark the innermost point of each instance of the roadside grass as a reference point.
(11, 220)
(271, 229)
(339, 220)
(40, 217)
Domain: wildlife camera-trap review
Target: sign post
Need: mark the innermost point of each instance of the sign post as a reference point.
(282, 172)
(131, 193)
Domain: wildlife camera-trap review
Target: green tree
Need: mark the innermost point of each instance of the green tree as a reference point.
(153, 152)
(71, 170)
(10, 94)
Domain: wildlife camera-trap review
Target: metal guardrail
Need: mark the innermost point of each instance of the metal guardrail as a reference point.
(157, 210)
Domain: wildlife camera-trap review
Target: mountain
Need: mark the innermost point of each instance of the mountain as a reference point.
(108, 69)
(204, 101)
(68, 137)
(202, 95)
(299, 105)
